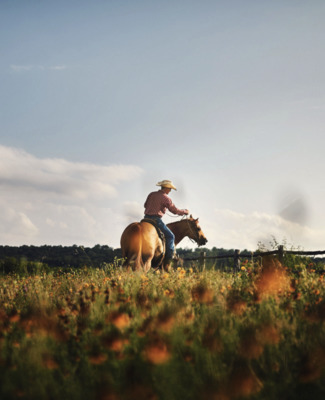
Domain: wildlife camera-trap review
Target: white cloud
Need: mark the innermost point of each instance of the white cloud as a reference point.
(55, 201)
(30, 67)
(133, 211)
(19, 68)
(15, 224)
(61, 178)
(231, 229)
(58, 67)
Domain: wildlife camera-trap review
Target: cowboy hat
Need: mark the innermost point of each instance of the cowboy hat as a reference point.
(167, 184)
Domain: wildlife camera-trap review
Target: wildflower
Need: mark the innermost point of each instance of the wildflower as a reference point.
(115, 342)
(269, 334)
(120, 320)
(165, 321)
(243, 268)
(169, 293)
(157, 352)
(14, 317)
(222, 289)
(272, 279)
(235, 303)
(202, 294)
(49, 362)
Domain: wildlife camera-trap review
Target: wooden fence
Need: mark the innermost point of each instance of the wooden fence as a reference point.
(280, 252)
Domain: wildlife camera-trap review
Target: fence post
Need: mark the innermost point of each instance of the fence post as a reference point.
(236, 261)
(281, 254)
(202, 260)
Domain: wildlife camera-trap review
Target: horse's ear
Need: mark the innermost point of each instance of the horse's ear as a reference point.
(191, 216)
(196, 220)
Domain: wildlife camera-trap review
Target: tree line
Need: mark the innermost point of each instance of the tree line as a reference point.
(79, 256)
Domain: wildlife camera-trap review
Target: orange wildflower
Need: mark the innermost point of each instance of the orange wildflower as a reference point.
(157, 352)
(49, 362)
(120, 320)
(272, 279)
(202, 294)
(269, 334)
(165, 321)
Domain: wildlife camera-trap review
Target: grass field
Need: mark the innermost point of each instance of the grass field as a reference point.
(111, 334)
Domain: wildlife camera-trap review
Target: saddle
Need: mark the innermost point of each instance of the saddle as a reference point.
(159, 231)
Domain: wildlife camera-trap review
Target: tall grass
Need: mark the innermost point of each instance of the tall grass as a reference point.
(111, 334)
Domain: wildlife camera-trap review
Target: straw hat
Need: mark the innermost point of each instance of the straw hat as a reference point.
(167, 184)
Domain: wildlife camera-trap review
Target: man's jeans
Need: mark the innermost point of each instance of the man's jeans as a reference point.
(169, 236)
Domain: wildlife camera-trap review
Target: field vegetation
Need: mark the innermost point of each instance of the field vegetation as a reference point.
(109, 334)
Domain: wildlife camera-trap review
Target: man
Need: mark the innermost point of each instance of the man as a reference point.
(155, 207)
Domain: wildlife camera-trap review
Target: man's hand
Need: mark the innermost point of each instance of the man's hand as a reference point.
(186, 212)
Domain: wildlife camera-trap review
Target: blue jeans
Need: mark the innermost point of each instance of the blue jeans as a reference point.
(169, 236)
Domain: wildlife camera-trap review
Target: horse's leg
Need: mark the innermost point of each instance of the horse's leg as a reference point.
(147, 262)
(147, 265)
(132, 263)
(167, 266)
(157, 261)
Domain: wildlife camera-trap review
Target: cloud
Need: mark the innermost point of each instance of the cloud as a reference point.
(231, 229)
(21, 68)
(133, 211)
(56, 201)
(61, 178)
(29, 67)
(58, 67)
(15, 223)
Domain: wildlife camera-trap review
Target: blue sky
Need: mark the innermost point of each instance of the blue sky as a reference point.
(102, 99)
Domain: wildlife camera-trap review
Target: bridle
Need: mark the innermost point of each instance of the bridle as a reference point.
(195, 233)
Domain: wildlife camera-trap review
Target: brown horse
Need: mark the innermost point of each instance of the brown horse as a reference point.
(142, 248)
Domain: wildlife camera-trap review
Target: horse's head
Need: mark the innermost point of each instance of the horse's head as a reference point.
(195, 231)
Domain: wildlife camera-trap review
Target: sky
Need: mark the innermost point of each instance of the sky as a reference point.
(101, 99)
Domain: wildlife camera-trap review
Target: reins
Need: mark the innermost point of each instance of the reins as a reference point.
(192, 231)
(189, 226)
(175, 216)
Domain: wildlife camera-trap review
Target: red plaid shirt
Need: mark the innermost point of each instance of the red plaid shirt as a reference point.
(158, 202)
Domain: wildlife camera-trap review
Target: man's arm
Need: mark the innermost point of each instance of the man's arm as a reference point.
(172, 208)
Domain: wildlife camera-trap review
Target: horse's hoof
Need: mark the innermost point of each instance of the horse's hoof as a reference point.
(167, 267)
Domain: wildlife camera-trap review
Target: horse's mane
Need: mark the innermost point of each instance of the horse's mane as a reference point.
(180, 220)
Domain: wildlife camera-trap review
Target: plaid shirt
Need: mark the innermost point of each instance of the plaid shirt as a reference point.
(158, 202)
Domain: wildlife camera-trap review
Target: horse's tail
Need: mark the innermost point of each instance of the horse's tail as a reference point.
(132, 249)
